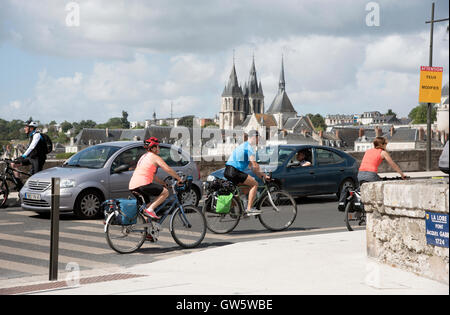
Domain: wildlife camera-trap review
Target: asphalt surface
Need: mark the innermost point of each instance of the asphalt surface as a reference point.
(25, 235)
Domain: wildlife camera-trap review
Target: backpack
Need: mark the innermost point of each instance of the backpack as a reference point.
(48, 143)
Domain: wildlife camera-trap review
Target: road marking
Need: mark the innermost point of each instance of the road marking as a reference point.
(21, 267)
(61, 258)
(7, 223)
(161, 237)
(46, 243)
(24, 213)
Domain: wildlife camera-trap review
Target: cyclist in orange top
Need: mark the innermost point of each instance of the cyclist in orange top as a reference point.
(368, 171)
(144, 177)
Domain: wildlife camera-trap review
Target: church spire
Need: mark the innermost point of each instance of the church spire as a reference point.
(253, 86)
(282, 83)
(232, 88)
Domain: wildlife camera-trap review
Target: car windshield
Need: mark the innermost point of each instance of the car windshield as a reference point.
(273, 155)
(92, 157)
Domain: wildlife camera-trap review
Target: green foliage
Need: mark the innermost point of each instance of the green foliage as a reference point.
(318, 121)
(186, 121)
(124, 120)
(12, 130)
(63, 156)
(419, 114)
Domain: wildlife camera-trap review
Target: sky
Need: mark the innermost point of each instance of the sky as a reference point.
(90, 59)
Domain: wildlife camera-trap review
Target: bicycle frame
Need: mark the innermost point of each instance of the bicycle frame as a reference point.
(265, 190)
(8, 175)
(171, 199)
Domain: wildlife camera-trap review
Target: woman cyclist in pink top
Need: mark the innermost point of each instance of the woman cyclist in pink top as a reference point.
(368, 171)
(144, 177)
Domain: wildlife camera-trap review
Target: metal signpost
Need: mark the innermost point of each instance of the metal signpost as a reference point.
(54, 236)
(429, 107)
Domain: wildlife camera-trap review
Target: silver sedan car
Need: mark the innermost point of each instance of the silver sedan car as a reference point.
(102, 172)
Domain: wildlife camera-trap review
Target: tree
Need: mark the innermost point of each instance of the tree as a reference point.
(391, 113)
(186, 121)
(419, 114)
(318, 121)
(66, 126)
(124, 120)
(84, 124)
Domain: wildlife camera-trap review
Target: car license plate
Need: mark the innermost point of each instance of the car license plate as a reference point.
(33, 196)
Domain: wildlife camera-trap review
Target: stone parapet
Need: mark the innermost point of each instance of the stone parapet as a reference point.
(396, 227)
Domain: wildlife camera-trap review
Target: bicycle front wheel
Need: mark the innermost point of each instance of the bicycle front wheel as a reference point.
(353, 218)
(188, 227)
(278, 211)
(222, 223)
(126, 239)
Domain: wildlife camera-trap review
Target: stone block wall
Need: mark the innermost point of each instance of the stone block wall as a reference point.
(396, 230)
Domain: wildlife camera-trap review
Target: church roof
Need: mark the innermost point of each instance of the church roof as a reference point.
(253, 88)
(281, 103)
(232, 88)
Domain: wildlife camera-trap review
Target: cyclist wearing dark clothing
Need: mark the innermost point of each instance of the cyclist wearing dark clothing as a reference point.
(36, 153)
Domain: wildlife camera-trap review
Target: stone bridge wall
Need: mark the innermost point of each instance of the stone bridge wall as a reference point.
(396, 229)
(409, 161)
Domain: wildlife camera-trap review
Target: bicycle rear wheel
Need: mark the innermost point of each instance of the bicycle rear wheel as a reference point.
(126, 239)
(222, 223)
(353, 218)
(281, 216)
(3, 194)
(188, 228)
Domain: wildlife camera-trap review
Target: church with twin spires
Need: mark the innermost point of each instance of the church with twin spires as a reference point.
(240, 105)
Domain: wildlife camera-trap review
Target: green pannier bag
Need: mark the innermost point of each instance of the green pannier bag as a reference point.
(223, 204)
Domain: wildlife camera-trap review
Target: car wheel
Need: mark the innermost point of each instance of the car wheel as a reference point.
(88, 204)
(191, 197)
(346, 184)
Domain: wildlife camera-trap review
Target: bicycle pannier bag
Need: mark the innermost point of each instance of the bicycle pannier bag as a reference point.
(128, 211)
(223, 204)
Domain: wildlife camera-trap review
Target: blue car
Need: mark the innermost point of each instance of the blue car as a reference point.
(323, 170)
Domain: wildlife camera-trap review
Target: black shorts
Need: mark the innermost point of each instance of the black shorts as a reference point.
(149, 190)
(234, 175)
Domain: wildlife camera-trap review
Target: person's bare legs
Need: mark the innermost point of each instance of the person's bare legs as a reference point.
(152, 206)
(159, 200)
(253, 184)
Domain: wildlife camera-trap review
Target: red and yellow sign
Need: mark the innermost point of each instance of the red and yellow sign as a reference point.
(430, 84)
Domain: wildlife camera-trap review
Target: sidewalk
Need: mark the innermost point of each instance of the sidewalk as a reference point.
(317, 264)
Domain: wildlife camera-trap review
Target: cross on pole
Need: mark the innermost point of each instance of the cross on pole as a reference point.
(429, 107)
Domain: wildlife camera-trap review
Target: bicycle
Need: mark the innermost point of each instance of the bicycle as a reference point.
(187, 223)
(279, 209)
(7, 175)
(354, 213)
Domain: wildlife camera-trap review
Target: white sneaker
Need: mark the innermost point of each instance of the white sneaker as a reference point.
(252, 211)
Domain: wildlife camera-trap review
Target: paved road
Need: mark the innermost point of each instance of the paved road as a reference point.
(24, 239)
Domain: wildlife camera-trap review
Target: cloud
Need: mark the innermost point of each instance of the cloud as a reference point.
(116, 29)
(146, 55)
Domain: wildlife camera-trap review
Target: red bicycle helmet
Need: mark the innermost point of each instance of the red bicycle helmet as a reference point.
(150, 143)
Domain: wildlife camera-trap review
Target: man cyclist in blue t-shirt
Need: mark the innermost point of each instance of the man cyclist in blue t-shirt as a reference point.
(239, 161)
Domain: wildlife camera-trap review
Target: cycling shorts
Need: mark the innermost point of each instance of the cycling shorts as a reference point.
(234, 175)
(150, 190)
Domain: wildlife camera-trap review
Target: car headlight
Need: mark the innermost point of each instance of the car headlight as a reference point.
(210, 178)
(67, 183)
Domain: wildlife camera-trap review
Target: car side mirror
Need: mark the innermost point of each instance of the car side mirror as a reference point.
(121, 168)
(293, 164)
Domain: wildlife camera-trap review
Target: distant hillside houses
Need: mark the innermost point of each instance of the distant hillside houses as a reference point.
(366, 118)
